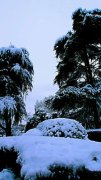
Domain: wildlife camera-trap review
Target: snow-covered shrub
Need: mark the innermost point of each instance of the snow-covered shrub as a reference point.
(33, 132)
(62, 127)
(6, 174)
(9, 166)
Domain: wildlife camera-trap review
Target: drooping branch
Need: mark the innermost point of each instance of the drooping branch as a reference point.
(2, 127)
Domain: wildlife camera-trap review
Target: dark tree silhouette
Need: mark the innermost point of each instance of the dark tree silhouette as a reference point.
(79, 65)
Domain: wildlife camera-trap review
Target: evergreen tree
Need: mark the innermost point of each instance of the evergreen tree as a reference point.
(16, 72)
(79, 65)
(43, 108)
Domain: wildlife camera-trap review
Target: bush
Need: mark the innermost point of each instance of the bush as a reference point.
(94, 134)
(8, 163)
(6, 174)
(69, 173)
(62, 127)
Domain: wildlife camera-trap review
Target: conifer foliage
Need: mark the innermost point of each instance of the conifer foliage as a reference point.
(16, 73)
(79, 64)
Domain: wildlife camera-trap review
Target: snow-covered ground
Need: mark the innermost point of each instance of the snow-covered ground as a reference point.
(38, 153)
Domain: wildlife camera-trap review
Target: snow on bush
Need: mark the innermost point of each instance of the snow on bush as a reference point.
(44, 157)
(33, 132)
(6, 174)
(62, 127)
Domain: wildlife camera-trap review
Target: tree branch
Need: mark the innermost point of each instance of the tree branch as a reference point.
(2, 127)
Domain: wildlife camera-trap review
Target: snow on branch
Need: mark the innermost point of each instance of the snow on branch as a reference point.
(11, 51)
(16, 68)
(85, 92)
(7, 103)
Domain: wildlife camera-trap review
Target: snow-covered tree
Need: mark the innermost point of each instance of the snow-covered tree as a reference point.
(43, 108)
(16, 73)
(79, 63)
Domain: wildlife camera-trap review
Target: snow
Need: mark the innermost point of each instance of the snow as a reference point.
(62, 127)
(88, 90)
(38, 153)
(85, 92)
(25, 74)
(12, 50)
(7, 102)
(34, 132)
(6, 174)
(94, 130)
(93, 18)
(16, 68)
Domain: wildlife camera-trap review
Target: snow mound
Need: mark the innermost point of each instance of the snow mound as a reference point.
(6, 174)
(40, 155)
(33, 132)
(62, 127)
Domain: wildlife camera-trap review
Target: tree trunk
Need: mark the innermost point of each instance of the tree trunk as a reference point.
(8, 128)
(8, 124)
(96, 114)
(89, 79)
(88, 71)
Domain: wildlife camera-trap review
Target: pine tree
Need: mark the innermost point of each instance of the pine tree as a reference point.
(78, 69)
(16, 73)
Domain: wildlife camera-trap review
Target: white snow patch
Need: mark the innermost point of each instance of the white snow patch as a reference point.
(34, 132)
(7, 102)
(94, 130)
(6, 174)
(16, 68)
(38, 153)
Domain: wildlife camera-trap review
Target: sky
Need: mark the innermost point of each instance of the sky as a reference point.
(36, 25)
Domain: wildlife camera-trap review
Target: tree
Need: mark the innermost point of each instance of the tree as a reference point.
(43, 108)
(79, 66)
(16, 73)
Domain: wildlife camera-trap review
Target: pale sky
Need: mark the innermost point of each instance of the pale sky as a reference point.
(36, 25)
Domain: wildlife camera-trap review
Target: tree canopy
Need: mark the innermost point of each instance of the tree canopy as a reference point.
(79, 61)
